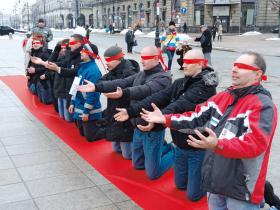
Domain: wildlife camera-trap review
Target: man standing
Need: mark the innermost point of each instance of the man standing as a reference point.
(136, 88)
(183, 95)
(45, 31)
(240, 123)
(129, 39)
(206, 42)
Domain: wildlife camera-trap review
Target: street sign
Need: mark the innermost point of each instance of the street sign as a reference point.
(183, 10)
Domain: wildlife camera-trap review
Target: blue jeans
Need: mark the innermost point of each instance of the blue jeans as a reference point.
(44, 93)
(187, 169)
(170, 55)
(147, 152)
(124, 148)
(32, 88)
(63, 111)
(220, 202)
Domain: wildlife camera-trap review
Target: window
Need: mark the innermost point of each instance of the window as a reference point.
(164, 2)
(123, 7)
(248, 12)
(148, 4)
(135, 6)
(163, 16)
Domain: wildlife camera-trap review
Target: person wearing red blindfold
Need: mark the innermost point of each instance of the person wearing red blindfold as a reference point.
(67, 69)
(240, 123)
(135, 88)
(120, 134)
(198, 85)
(87, 107)
(37, 82)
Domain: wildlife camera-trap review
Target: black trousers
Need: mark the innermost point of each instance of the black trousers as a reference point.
(129, 47)
(90, 130)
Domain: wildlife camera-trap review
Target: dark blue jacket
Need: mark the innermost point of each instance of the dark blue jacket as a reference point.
(88, 103)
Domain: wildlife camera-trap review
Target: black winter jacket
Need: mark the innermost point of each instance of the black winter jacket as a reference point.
(61, 84)
(118, 131)
(39, 69)
(183, 95)
(138, 86)
(72, 62)
(205, 41)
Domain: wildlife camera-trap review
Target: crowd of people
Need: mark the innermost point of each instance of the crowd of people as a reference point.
(220, 141)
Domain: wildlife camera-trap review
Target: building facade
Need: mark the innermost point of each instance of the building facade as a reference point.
(234, 15)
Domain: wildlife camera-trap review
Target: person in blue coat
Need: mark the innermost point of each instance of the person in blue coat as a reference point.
(86, 107)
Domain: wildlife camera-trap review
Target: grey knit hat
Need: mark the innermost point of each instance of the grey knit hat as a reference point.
(112, 51)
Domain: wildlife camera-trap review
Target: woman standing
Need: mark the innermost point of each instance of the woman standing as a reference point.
(170, 41)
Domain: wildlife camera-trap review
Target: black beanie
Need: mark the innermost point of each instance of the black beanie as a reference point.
(112, 51)
(172, 23)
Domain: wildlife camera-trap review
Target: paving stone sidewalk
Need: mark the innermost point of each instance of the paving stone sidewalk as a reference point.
(39, 171)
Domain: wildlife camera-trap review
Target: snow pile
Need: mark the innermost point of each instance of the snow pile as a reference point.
(273, 39)
(251, 33)
(152, 34)
(124, 31)
(138, 32)
(184, 37)
(80, 30)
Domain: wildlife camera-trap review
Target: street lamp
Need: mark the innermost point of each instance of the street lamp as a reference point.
(157, 40)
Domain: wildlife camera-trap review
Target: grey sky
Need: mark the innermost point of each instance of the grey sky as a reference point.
(6, 6)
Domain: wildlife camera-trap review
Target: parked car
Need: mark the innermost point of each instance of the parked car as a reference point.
(275, 30)
(5, 30)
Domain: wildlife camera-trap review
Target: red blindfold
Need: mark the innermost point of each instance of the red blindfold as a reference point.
(148, 57)
(113, 58)
(196, 61)
(93, 55)
(63, 46)
(74, 42)
(250, 68)
(37, 42)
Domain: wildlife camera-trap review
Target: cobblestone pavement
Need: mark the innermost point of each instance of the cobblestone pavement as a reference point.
(41, 172)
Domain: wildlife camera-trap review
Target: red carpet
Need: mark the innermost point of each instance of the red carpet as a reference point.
(158, 194)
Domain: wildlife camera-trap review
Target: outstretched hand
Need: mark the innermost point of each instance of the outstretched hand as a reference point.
(52, 66)
(153, 117)
(36, 60)
(122, 115)
(146, 128)
(89, 87)
(209, 142)
(115, 95)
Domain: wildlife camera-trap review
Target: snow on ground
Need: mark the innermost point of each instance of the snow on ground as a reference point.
(15, 36)
(124, 31)
(273, 39)
(151, 34)
(251, 33)
(138, 32)
(184, 37)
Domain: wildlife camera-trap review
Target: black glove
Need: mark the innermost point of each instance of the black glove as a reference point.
(57, 48)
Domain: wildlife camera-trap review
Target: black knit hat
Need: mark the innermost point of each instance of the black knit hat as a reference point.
(172, 23)
(41, 20)
(112, 51)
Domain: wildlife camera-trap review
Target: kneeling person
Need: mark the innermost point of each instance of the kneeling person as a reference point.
(86, 106)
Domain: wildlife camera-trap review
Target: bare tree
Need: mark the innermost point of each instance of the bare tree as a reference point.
(276, 4)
